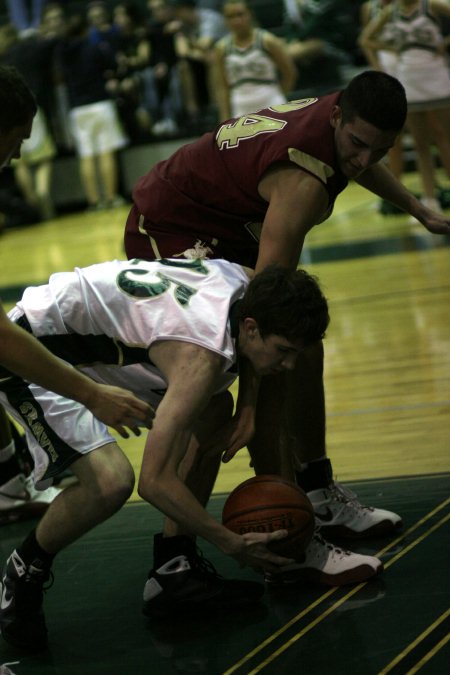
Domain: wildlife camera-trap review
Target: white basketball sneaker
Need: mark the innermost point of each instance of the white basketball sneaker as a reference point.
(340, 514)
(327, 565)
(20, 500)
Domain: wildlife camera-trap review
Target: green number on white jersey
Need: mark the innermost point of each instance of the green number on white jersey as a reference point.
(128, 282)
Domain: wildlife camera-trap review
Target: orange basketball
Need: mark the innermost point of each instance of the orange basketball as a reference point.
(267, 503)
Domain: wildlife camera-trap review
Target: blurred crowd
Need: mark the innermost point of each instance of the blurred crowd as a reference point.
(107, 75)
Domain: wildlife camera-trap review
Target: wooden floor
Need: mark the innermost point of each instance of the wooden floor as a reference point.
(387, 350)
(388, 399)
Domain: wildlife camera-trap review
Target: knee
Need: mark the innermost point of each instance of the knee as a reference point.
(115, 485)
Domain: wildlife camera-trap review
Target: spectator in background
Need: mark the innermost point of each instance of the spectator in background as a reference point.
(95, 122)
(321, 37)
(200, 29)
(126, 85)
(388, 62)
(162, 89)
(101, 26)
(52, 30)
(253, 67)
(25, 14)
(33, 170)
(423, 69)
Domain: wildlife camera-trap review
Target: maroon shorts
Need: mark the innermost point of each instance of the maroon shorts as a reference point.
(148, 241)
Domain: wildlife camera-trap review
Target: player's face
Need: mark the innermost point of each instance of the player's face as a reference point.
(11, 141)
(269, 355)
(359, 145)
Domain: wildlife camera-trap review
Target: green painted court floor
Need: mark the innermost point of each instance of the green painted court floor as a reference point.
(399, 623)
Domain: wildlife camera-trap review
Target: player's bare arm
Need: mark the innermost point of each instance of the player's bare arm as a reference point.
(282, 59)
(223, 89)
(369, 40)
(297, 201)
(191, 373)
(242, 427)
(379, 180)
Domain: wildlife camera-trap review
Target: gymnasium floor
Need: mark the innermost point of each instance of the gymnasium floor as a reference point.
(388, 401)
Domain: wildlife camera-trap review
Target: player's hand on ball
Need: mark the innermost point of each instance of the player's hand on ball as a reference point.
(257, 555)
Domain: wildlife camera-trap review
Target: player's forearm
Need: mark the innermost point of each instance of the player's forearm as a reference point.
(24, 355)
(248, 386)
(379, 180)
(177, 502)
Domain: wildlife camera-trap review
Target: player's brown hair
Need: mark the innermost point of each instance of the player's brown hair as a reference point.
(288, 303)
(377, 98)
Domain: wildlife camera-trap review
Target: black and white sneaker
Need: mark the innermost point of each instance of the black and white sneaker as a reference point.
(22, 621)
(190, 583)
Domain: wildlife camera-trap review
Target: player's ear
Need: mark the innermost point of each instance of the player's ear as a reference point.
(335, 116)
(250, 327)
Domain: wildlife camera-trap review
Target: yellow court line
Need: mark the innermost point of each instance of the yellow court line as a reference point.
(280, 631)
(430, 655)
(414, 543)
(305, 630)
(326, 595)
(414, 527)
(414, 644)
(337, 604)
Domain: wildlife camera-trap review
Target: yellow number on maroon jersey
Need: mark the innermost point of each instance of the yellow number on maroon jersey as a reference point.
(293, 105)
(249, 126)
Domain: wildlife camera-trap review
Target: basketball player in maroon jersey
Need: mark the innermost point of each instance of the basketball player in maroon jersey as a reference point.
(250, 192)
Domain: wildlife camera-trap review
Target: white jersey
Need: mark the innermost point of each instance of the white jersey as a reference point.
(423, 71)
(104, 318)
(252, 76)
(388, 59)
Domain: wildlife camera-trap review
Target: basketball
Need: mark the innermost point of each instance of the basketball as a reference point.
(267, 503)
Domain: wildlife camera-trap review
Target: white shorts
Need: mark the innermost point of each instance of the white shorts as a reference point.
(426, 78)
(96, 129)
(39, 147)
(58, 430)
(248, 98)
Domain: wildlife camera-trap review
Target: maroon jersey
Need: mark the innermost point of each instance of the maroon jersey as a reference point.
(208, 190)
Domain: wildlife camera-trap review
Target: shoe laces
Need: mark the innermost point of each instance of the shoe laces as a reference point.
(318, 538)
(346, 496)
(40, 577)
(200, 564)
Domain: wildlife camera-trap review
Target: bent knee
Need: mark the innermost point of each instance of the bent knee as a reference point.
(108, 475)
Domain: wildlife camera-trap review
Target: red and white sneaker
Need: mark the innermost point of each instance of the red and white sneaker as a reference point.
(340, 514)
(327, 565)
(20, 500)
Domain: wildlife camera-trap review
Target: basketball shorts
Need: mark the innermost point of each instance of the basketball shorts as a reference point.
(96, 129)
(150, 241)
(58, 430)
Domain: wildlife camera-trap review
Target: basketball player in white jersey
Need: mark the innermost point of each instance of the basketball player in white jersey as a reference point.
(171, 331)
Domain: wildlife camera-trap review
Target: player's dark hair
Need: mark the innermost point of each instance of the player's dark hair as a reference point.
(377, 98)
(17, 103)
(288, 303)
